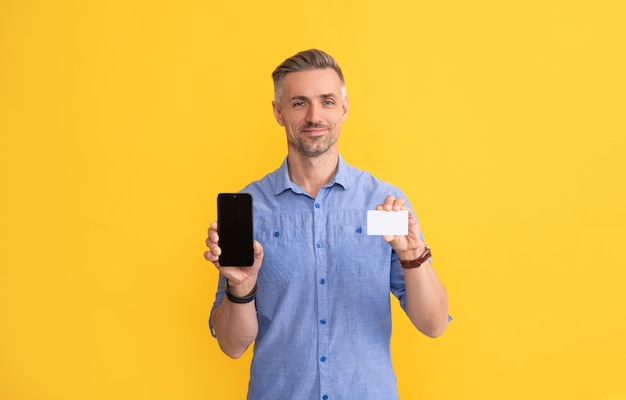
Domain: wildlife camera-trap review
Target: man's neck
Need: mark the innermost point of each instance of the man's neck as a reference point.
(312, 173)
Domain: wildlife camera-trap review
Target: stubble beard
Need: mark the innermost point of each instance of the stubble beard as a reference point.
(314, 146)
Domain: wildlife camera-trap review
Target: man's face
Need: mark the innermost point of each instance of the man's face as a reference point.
(312, 110)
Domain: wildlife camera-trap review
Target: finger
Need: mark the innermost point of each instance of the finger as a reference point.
(214, 249)
(388, 204)
(209, 256)
(258, 251)
(212, 228)
(212, 257)
(258, 248)
(398, 204)
(393, 240)
(212, 236)
(389, 238)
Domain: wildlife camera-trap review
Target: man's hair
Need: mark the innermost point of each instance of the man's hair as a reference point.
(305, 61)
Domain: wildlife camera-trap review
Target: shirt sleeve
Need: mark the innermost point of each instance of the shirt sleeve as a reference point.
(398, 287)
(219, 297)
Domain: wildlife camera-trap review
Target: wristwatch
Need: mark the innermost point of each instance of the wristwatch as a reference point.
(408, 264)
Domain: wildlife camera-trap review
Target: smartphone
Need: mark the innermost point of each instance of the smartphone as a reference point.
(235, 229)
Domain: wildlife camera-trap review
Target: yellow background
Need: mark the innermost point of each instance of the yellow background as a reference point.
(120, 121)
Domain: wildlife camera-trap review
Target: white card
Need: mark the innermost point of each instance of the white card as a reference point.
(381, 222)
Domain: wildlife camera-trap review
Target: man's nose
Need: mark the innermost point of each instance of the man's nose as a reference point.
(313, 114)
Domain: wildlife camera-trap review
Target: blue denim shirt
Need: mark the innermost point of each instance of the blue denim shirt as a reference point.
(323, 301)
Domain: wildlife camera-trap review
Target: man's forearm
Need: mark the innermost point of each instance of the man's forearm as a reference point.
(236, 327)
(426, 300)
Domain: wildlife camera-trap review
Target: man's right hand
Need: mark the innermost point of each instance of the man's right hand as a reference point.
(241, 280)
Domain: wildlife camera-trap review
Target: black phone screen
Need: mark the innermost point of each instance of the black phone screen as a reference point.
(235, 229)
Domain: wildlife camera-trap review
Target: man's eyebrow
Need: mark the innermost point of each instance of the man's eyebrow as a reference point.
(321, 96)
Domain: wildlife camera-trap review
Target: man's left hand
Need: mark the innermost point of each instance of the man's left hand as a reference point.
(408, 247)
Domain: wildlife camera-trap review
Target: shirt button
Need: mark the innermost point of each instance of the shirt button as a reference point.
(325, 397)
(318, 245)
(322, 281)
(276, 234)
(323, 358)
(323, 321)
(317, 205)
(359, 230)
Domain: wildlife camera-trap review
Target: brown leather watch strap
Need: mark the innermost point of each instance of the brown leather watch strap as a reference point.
(408, 264)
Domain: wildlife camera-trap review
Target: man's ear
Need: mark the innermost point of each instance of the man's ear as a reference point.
(346, 107)
(277, 114)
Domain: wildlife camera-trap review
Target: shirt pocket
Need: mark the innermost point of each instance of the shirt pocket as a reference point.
(358, 255)
(285, 257)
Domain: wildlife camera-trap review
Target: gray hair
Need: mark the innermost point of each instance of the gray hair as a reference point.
(305, 61)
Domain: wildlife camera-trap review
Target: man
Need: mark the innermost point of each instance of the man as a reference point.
(316, 300)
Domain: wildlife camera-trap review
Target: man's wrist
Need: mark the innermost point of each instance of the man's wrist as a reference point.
(413, 253)
(235, 298)
(408, 261)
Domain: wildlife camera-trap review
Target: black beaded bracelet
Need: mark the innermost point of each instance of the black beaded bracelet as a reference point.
(239, 300)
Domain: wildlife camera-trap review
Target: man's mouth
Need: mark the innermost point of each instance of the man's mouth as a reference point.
(314, 128)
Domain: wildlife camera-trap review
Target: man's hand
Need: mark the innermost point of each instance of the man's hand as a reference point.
(236, 325)
(408, 247)
(241, 280)
(426, 298)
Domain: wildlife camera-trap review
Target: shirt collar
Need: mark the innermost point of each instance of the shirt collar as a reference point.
(343, 178)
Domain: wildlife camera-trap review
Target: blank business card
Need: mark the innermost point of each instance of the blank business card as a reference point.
(380, 222)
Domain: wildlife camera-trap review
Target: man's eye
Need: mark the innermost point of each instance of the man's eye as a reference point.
(328, 102)
(298, 104)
